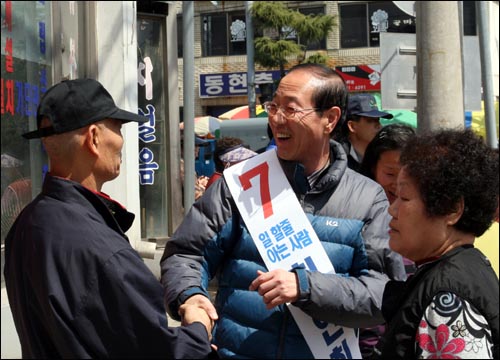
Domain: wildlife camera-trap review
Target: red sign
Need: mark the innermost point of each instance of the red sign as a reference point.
(361, 77)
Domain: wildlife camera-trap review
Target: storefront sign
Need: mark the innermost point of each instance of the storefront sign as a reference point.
(147, 130)
(153, 134)
(357, 78)
(20, 93)
(232, 84)
(26, 70)
(361, 77)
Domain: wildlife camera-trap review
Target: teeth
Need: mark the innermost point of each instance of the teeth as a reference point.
(283, 135)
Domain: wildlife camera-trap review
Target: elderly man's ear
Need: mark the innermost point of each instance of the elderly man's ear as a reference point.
(333, 115)
(92, 139)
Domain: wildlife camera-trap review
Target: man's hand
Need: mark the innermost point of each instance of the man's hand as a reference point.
(276, 287)
(193, 313)
(199, 308)
(203, 302)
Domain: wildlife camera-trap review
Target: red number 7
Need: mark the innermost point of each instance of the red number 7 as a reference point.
(265, 194)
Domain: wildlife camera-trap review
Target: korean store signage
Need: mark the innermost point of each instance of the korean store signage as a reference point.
(357, 78)
(361, 77)
(232, 84)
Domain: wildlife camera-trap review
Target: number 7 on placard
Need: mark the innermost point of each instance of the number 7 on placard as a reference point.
(265, 194)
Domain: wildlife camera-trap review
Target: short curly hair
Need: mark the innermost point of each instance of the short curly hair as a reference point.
(450, 165)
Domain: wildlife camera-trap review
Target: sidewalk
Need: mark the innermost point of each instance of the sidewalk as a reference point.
(11, 349)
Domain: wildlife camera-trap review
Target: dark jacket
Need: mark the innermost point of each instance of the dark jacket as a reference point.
(352, 158)
(214, 240)
(405, 303)
(76, 287)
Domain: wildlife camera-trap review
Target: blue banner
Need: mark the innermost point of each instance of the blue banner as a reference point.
(233, 84)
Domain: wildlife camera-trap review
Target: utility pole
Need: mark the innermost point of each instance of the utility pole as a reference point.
(188, 93)
(250, 59)
(440, 100)
(486, 73)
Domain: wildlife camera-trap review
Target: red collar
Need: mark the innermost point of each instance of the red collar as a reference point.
(98, 193)
(106, 196)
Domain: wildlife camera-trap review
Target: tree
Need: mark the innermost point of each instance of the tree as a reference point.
(277, 23)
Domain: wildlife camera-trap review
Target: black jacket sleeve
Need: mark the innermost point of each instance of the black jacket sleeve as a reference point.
(129, 320)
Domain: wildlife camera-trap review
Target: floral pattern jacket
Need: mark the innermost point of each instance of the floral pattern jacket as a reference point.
(451, 328)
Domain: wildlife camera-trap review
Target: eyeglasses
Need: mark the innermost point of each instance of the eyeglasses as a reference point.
(288, 111)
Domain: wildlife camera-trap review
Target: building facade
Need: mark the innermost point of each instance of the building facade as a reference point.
(352, 47)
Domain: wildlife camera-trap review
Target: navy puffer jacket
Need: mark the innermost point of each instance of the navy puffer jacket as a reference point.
(343, 208)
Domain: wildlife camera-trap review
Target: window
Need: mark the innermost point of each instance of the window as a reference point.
(26, 75)
(180, 40)
(316, 45)
(153, 135)
(223, 34)
(469, 19)
(237, 34)
(361, 24)
(353, 26)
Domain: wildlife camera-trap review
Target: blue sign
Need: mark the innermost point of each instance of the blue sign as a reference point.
(232, 84)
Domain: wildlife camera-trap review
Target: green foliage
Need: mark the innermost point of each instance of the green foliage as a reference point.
(276, 22)
(317, 58)
(272, 53)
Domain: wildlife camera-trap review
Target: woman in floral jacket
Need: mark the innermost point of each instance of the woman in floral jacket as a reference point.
(447, 195)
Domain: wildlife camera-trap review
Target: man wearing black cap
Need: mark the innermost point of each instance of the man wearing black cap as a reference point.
(360, 127)
(76, 287)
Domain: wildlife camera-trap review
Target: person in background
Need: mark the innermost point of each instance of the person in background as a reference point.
(271, 145)
(359, 128)
(447, 195)
(76, 287)
(348, 211)
(200, 182)
(381, 160)
(381, 163)
(228, 151)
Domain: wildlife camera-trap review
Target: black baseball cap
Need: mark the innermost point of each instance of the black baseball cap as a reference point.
(365, 105)
(73, 104)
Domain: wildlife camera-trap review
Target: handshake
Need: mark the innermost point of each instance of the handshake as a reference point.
(198, 308)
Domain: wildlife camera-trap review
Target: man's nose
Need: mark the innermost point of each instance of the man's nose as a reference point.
(279, 118)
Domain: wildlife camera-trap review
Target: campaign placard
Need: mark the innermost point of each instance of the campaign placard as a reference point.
(285, 239)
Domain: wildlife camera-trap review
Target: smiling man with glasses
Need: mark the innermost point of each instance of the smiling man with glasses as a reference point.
(289, 111)
(342, 205)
